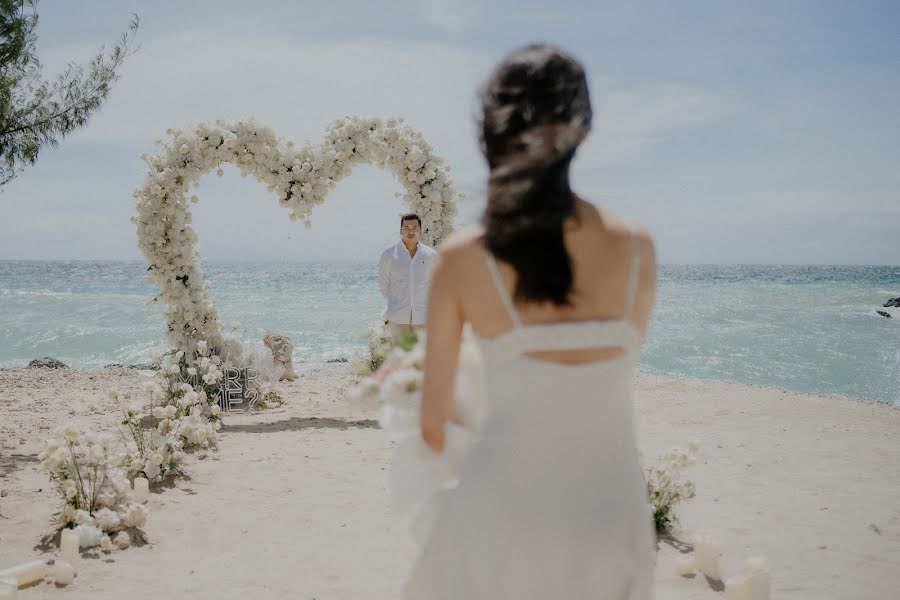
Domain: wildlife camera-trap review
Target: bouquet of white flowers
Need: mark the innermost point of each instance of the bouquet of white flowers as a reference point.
(95, 489)
(665, 487)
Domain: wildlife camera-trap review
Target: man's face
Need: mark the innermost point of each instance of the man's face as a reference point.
(410, 231)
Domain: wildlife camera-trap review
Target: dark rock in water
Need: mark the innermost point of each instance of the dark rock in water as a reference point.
(47, 362)
(884, 313)
(144, 367)
(112, 365)
(892, 302)
(338, 360)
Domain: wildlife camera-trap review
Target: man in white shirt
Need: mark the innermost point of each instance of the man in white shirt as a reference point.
(404, 275)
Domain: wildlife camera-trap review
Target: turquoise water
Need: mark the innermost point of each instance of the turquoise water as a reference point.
(804, 328)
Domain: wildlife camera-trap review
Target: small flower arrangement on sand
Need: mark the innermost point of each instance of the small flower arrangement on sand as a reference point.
(666, 487)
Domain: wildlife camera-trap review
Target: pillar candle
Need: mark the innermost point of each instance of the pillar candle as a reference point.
(685, 565)
(8, 589)
(736, 588)
(758, 580)
(68, 546)
(26, 573)
(141, 490)
(706, 552)
(63, 572)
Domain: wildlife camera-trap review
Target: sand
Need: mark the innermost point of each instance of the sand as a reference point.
(296, 501)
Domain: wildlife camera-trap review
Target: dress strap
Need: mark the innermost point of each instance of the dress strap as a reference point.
(501, 289)
(633, 274)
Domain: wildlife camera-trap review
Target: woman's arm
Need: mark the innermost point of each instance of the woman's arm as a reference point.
(646, 292)
(444, 332)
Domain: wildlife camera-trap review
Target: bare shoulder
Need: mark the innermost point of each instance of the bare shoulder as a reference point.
(618, 227)
(462, 243)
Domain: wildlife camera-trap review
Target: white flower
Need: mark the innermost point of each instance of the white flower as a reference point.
(122, 540)
(107, 497)
(106, 544)
(134, 515)
(70, 490)
(201, 347)
(70, 434)
(83, 517)
(152, 471)
(88, 535)
(107, 520)
(184, 150)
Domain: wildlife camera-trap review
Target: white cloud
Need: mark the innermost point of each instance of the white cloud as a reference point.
(450, 16)
(627, 122)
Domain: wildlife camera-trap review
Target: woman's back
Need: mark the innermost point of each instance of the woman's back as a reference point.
(602, 250)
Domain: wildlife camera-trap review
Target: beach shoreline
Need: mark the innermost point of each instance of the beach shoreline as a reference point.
(297, 498)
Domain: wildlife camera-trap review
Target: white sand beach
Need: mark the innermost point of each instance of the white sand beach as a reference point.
(296, 503)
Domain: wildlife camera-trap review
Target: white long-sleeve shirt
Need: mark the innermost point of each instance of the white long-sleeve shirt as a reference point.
(404, 282)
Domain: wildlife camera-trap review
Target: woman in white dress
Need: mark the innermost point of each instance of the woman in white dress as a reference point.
(551, 501)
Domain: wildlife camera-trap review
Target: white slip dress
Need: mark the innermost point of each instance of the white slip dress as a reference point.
(539, 494)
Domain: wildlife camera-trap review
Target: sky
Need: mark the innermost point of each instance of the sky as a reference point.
(735, 132)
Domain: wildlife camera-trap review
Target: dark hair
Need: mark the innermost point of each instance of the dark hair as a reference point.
(536, 110)
(410, 217)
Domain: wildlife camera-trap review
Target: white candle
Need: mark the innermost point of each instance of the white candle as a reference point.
(26, 573)
(8, 589)
(685, 565)
(707, 555)
(63, 572)
(756, 563)
(141, 490)
(759, 586)
(68, 546)
(736, 588)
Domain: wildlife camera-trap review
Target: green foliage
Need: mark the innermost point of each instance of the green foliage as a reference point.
(380, 344)
(34, 112)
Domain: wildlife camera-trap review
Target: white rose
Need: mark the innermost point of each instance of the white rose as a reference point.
(83, 517)
(122, 540)
(152, 471)
(134, 515)
(107, 520)
(88, 535)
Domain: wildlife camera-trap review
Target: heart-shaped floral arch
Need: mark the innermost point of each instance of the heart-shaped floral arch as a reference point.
(300, 178)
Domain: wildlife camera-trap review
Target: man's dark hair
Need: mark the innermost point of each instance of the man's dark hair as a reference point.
(410, 217)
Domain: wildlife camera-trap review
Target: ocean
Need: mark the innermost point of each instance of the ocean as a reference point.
(802, 328)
